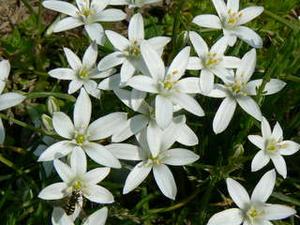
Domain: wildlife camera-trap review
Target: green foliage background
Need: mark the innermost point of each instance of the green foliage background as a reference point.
(202, 191)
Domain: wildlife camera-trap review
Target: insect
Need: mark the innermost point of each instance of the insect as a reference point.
(72, 201)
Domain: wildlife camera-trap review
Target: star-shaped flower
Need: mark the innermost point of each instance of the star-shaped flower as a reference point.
(231, 19)
(155, 153)
(254, 210)
(238, 89)
(86, 13)
(211, 61)
(128, 52)
(133, 3)
(76, 178)
(167, 86)
(273, 147)
(7, 100)
(83, 135)
(82, 73)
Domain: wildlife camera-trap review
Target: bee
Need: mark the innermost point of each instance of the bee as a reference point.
(72, 201)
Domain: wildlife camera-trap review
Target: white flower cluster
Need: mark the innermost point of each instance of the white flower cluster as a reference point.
(158, 93)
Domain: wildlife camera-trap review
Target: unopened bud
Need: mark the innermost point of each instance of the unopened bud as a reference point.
(47, 123)
(52, 105)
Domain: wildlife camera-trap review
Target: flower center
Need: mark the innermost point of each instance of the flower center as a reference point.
(84, 73)
(77, 185)
(232, 18)
(153, 161)
(253, 214)
(133, 50)
(272, 145)
(237, 88)
(80, 139)
(212, 59)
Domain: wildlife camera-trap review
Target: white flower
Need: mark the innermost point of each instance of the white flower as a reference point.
(231, 20)
(169, 90)
(128, 50)
(59, 217)
(86, 13)
(238, 90)
(254, 210)
(211, 61)
(136, 101)
(272, 147)
(83, 135)
(7, 100)
(155, 153)
(76, 178)
(133, 3)
(82, 72)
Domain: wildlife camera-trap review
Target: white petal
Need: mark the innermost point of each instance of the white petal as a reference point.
(227, 217)
(74, 86)
(199, 44)
(163, 111)
(143, 83)
(62, 7)
(82, 111)
(209, 21)
(95, 32)
(110, 61)
(154, 136)
(99, 5)
(57, 150)
(137, 99)
(249, 106)
(90, 56)
(98, 194)
(153, 61)
(194, 64)
(67, 24)
(277, 132)
(247, 66)
(264, 188)
(102, 74)
(249, 36)
(278, 212)
(96, 175)
(136, 176)
(206, 81)
(179, 157)
(63, 74)
(238, 193)
(110, 83)
(179, 64)
(272, 87)
(279, 164)
(220, 7)
(117, 40)
(101, 155)
(165, 181)
(260, 160)
(249, 14)
(78, 162)
(290, 148)
(92, 89)
(64, 171)
(10, 99)
(265, 128)
(99, 217)
(110, 15)
(257, 140)
(106, 126)
(124, 151)
(233, 5)
(73, 59)
(231, 62)
(220, 46)
(188, 103)
(186, 136)
(222, 73)
(54, 191)
(4, 69)
(189, 85)
(133, 126)
(219, 91)
(158, 43)
(224, 115)
(136, 28)
(127, 71)
(63, 125)
(2, 132)
(59, 217)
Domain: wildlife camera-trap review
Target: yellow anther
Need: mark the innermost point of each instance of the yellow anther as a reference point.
(80, 139)
(76, 185)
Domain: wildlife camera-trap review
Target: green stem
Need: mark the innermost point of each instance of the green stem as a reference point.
(29, 7)
(292, 78)
(34, 95)
(281, 20)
